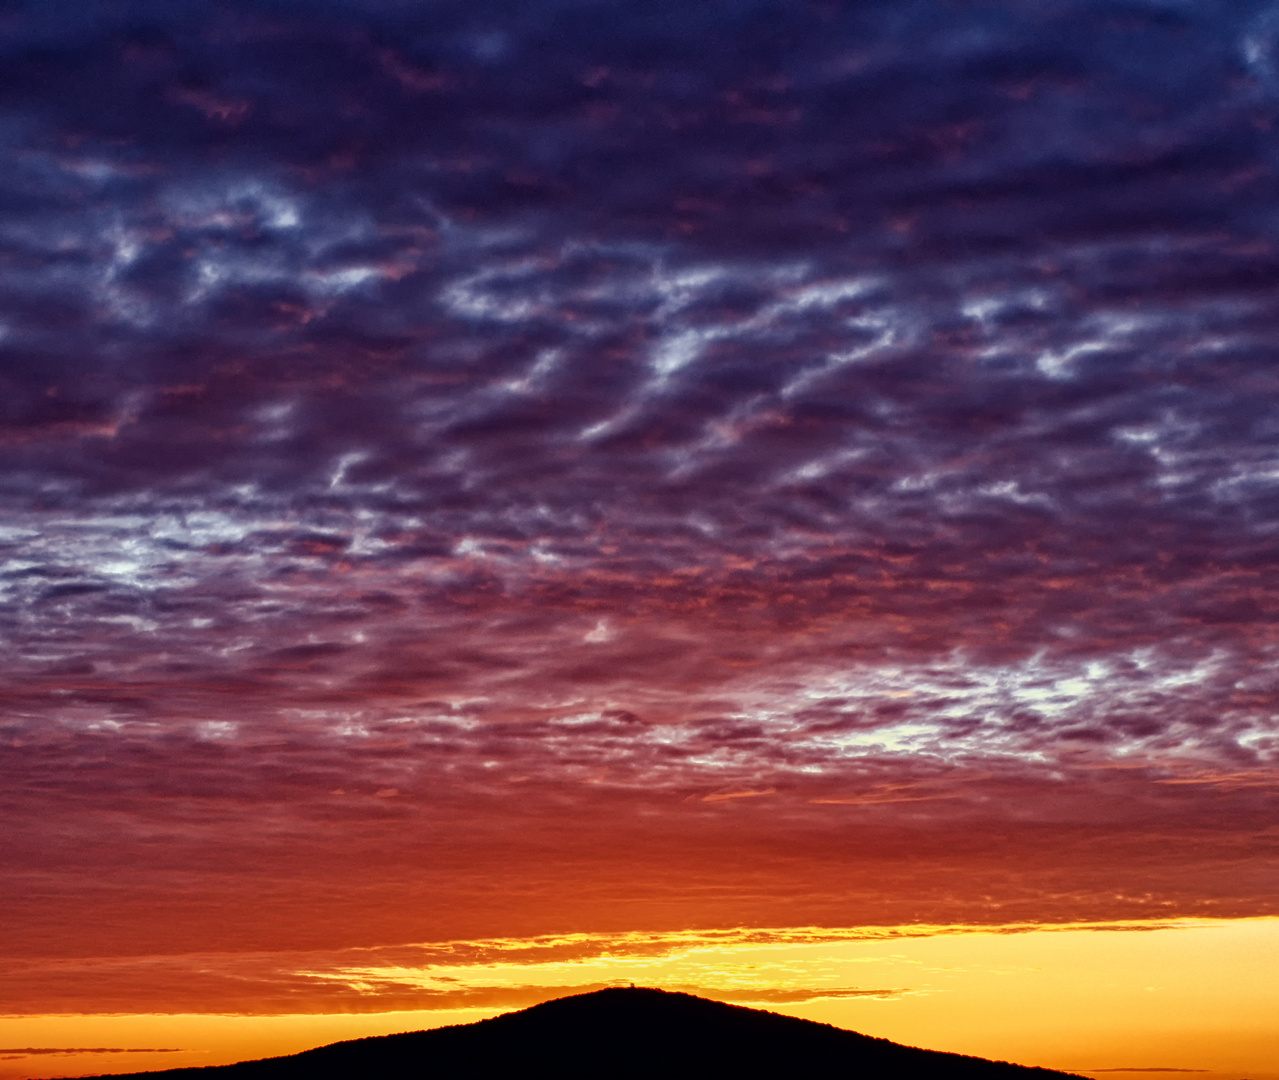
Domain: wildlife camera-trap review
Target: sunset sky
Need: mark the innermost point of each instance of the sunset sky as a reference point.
(772, 498)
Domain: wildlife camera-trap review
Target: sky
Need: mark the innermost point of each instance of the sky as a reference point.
(491, 472)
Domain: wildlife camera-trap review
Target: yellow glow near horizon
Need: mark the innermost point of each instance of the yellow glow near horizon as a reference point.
(1199, 995)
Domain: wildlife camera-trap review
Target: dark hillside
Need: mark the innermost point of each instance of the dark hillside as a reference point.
(622, 1033)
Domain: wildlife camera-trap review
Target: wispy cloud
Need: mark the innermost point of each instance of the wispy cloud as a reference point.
(781, 965)
(25, 1051)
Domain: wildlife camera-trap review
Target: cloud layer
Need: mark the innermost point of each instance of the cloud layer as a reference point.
(476, 467)
(787, 966)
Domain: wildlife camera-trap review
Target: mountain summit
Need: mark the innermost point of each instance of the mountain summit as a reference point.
(626, 1033)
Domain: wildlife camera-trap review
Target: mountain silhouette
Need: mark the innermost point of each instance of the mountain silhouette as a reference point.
(623, 1033)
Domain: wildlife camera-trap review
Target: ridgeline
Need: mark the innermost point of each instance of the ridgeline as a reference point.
(621, 1033)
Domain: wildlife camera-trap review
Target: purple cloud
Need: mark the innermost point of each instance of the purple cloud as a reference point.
(422, 431)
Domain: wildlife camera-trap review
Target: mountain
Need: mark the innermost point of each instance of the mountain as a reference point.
(622, 1033)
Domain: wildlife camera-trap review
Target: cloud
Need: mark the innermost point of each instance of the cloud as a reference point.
(765, 996)
(416, 433)
(28, 1051)
(787, 965)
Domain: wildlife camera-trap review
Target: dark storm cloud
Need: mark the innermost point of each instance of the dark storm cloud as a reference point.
(864, 410)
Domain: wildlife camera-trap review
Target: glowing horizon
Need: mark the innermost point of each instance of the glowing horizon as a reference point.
(1194, 996)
